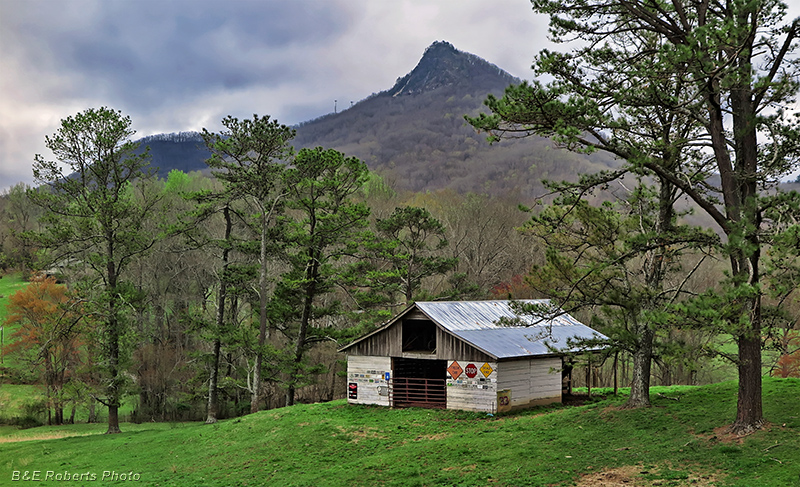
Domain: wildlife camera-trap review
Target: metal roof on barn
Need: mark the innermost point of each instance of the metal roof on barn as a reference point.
(498, 330)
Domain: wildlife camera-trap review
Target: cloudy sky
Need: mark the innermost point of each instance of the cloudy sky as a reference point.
(183, 65)
(180, 65)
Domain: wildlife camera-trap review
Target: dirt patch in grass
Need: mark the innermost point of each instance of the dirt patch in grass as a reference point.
(362, 434)
(638, 476)
(612, 477)
(724, 436)
(53, 435)
(437, 436)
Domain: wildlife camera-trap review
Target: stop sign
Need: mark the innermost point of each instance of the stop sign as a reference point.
(471, 371)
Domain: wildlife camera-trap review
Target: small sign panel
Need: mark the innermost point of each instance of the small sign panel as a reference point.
(486, 370)
(504, 401)
(471, 371)
(352, 390)
(454, 370)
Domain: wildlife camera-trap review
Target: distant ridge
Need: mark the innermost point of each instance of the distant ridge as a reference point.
(414, 134)
(184, 151)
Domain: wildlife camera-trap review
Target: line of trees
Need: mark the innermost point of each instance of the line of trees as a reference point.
(225, 294)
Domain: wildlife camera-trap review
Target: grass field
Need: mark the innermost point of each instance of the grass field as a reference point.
(9, 284)
(675, 443)
(14, 397)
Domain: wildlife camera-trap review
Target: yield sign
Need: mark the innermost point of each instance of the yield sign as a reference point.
(454, 370)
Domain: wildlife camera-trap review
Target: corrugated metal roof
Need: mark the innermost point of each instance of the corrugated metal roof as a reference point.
(478, 323)
(482, 315)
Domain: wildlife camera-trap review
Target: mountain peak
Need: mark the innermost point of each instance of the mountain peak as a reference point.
(444, 65)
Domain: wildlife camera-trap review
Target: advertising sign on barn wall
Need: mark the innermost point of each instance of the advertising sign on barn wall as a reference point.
(368, 380)
(472, 388)
(454, 370)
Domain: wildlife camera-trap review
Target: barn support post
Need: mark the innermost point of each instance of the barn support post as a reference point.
(566, 375)
(589, 376)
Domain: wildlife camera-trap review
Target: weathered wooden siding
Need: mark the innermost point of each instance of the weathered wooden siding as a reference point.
(388, 343)
(478, 393)
(369, 375)
(532, 381)
(451, 348)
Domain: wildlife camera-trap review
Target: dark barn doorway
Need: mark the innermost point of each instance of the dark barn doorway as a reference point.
(420, 383)
(419, 336)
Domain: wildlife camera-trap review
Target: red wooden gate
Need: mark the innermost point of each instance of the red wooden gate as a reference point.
(426, 393)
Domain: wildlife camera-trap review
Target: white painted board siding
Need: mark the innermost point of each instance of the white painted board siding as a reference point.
(478, 393)
(530, 380)
(369, 373)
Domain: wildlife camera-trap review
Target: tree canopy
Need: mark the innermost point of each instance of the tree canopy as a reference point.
(726, 71)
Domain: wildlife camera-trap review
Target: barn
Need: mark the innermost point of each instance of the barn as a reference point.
(463, 355)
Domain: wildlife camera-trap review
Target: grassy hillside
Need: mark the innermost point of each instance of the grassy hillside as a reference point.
(9, 284)
(333, 444)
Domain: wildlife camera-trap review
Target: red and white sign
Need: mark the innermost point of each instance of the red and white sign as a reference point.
(471, 371)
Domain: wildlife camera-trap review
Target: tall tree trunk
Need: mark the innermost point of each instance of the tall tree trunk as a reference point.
(213, 380)
(262, 316)
(113, 391)
(749, 414)
(48, 389)
(312, 275)
(92, 413)
(59, 414)
(213, 394)
(654, 277)
(113, 419)
(642, 362)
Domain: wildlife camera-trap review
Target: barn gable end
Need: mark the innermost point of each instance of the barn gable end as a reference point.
(394, 340)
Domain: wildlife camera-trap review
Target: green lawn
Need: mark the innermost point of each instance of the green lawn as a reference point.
(9, 284)
(674, 443)
(14, 398)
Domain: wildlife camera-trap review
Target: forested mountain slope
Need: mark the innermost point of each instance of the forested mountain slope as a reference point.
(415, 134)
